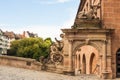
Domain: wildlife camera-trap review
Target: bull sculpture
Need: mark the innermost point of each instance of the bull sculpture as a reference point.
(91, 14)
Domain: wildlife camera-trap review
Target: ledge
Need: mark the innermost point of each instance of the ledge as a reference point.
(87, 30)
(18, 58)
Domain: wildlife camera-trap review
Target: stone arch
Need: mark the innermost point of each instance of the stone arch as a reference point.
(92, 63)
(89, 59)
(93, 44)
(83, 64)
(118, 63)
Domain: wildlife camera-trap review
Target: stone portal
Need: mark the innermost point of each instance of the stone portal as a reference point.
(88, 44)
(86, 60)
(87, 51)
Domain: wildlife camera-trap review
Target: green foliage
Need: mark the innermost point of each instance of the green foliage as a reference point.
(30, 47)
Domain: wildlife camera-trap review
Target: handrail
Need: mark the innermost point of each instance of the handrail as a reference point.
(95, 68)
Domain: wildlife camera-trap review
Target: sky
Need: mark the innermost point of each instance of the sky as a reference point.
(44, 17)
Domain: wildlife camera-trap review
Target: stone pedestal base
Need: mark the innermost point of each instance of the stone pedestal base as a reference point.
(71, 73)
(106, 75)
(51, 68)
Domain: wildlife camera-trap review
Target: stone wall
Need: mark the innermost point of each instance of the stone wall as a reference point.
(20, 62)
(111, 19)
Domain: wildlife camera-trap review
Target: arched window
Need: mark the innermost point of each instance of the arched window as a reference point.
(118, 63)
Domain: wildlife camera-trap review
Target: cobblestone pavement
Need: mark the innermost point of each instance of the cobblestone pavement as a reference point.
(11, 73)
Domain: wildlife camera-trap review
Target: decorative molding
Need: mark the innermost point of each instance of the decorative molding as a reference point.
(104, 41)
(66, 55)
(109, 56)
(87, 41)
(71, 41)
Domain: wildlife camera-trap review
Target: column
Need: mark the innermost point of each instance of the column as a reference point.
(70, 55)
(104, 72)
(105, 56)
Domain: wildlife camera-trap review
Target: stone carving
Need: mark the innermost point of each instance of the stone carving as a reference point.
(88, 19)
(57, 50)
(56, 53)
(55, 56)
(91, 14)
(59, 44)
(43, 60)
(82, 15)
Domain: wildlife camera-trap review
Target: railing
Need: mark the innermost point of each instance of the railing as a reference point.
(95, 69)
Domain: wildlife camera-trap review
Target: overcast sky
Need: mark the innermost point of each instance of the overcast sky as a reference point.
(44, 17)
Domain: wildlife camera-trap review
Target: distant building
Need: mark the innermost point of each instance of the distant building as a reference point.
(3, 43)
(11, 37)
(27, 34)
(7, 37)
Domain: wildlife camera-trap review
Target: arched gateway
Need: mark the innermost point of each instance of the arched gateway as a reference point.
(87, 51)
(89, 45)
(86, 60)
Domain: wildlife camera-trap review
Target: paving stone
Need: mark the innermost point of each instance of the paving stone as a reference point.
(12, 73)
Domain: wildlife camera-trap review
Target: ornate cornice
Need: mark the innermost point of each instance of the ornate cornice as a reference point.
(88, 31)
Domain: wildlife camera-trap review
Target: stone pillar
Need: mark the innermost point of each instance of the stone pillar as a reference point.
(70, 56)
(104, 72)
(77, 61)
(104, 56)
(109, 54)
(109, 58)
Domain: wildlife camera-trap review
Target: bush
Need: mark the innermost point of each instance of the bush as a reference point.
(30, 48)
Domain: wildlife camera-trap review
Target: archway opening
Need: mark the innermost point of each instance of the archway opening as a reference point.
(92, 64)
(84, 65)
(76, 61)
(87, 60)
(79, 61)
(118, 63)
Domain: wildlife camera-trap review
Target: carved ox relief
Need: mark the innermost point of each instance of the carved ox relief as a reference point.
(91, 13)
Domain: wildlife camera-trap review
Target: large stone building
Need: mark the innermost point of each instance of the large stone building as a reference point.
(92, 45)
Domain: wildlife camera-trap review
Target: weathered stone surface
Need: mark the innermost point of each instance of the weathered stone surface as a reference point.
(20, 62)
(87, 24)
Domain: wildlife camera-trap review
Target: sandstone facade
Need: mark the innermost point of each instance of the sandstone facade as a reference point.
(91, 46)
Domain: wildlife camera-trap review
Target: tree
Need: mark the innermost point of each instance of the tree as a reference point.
(30, 47)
